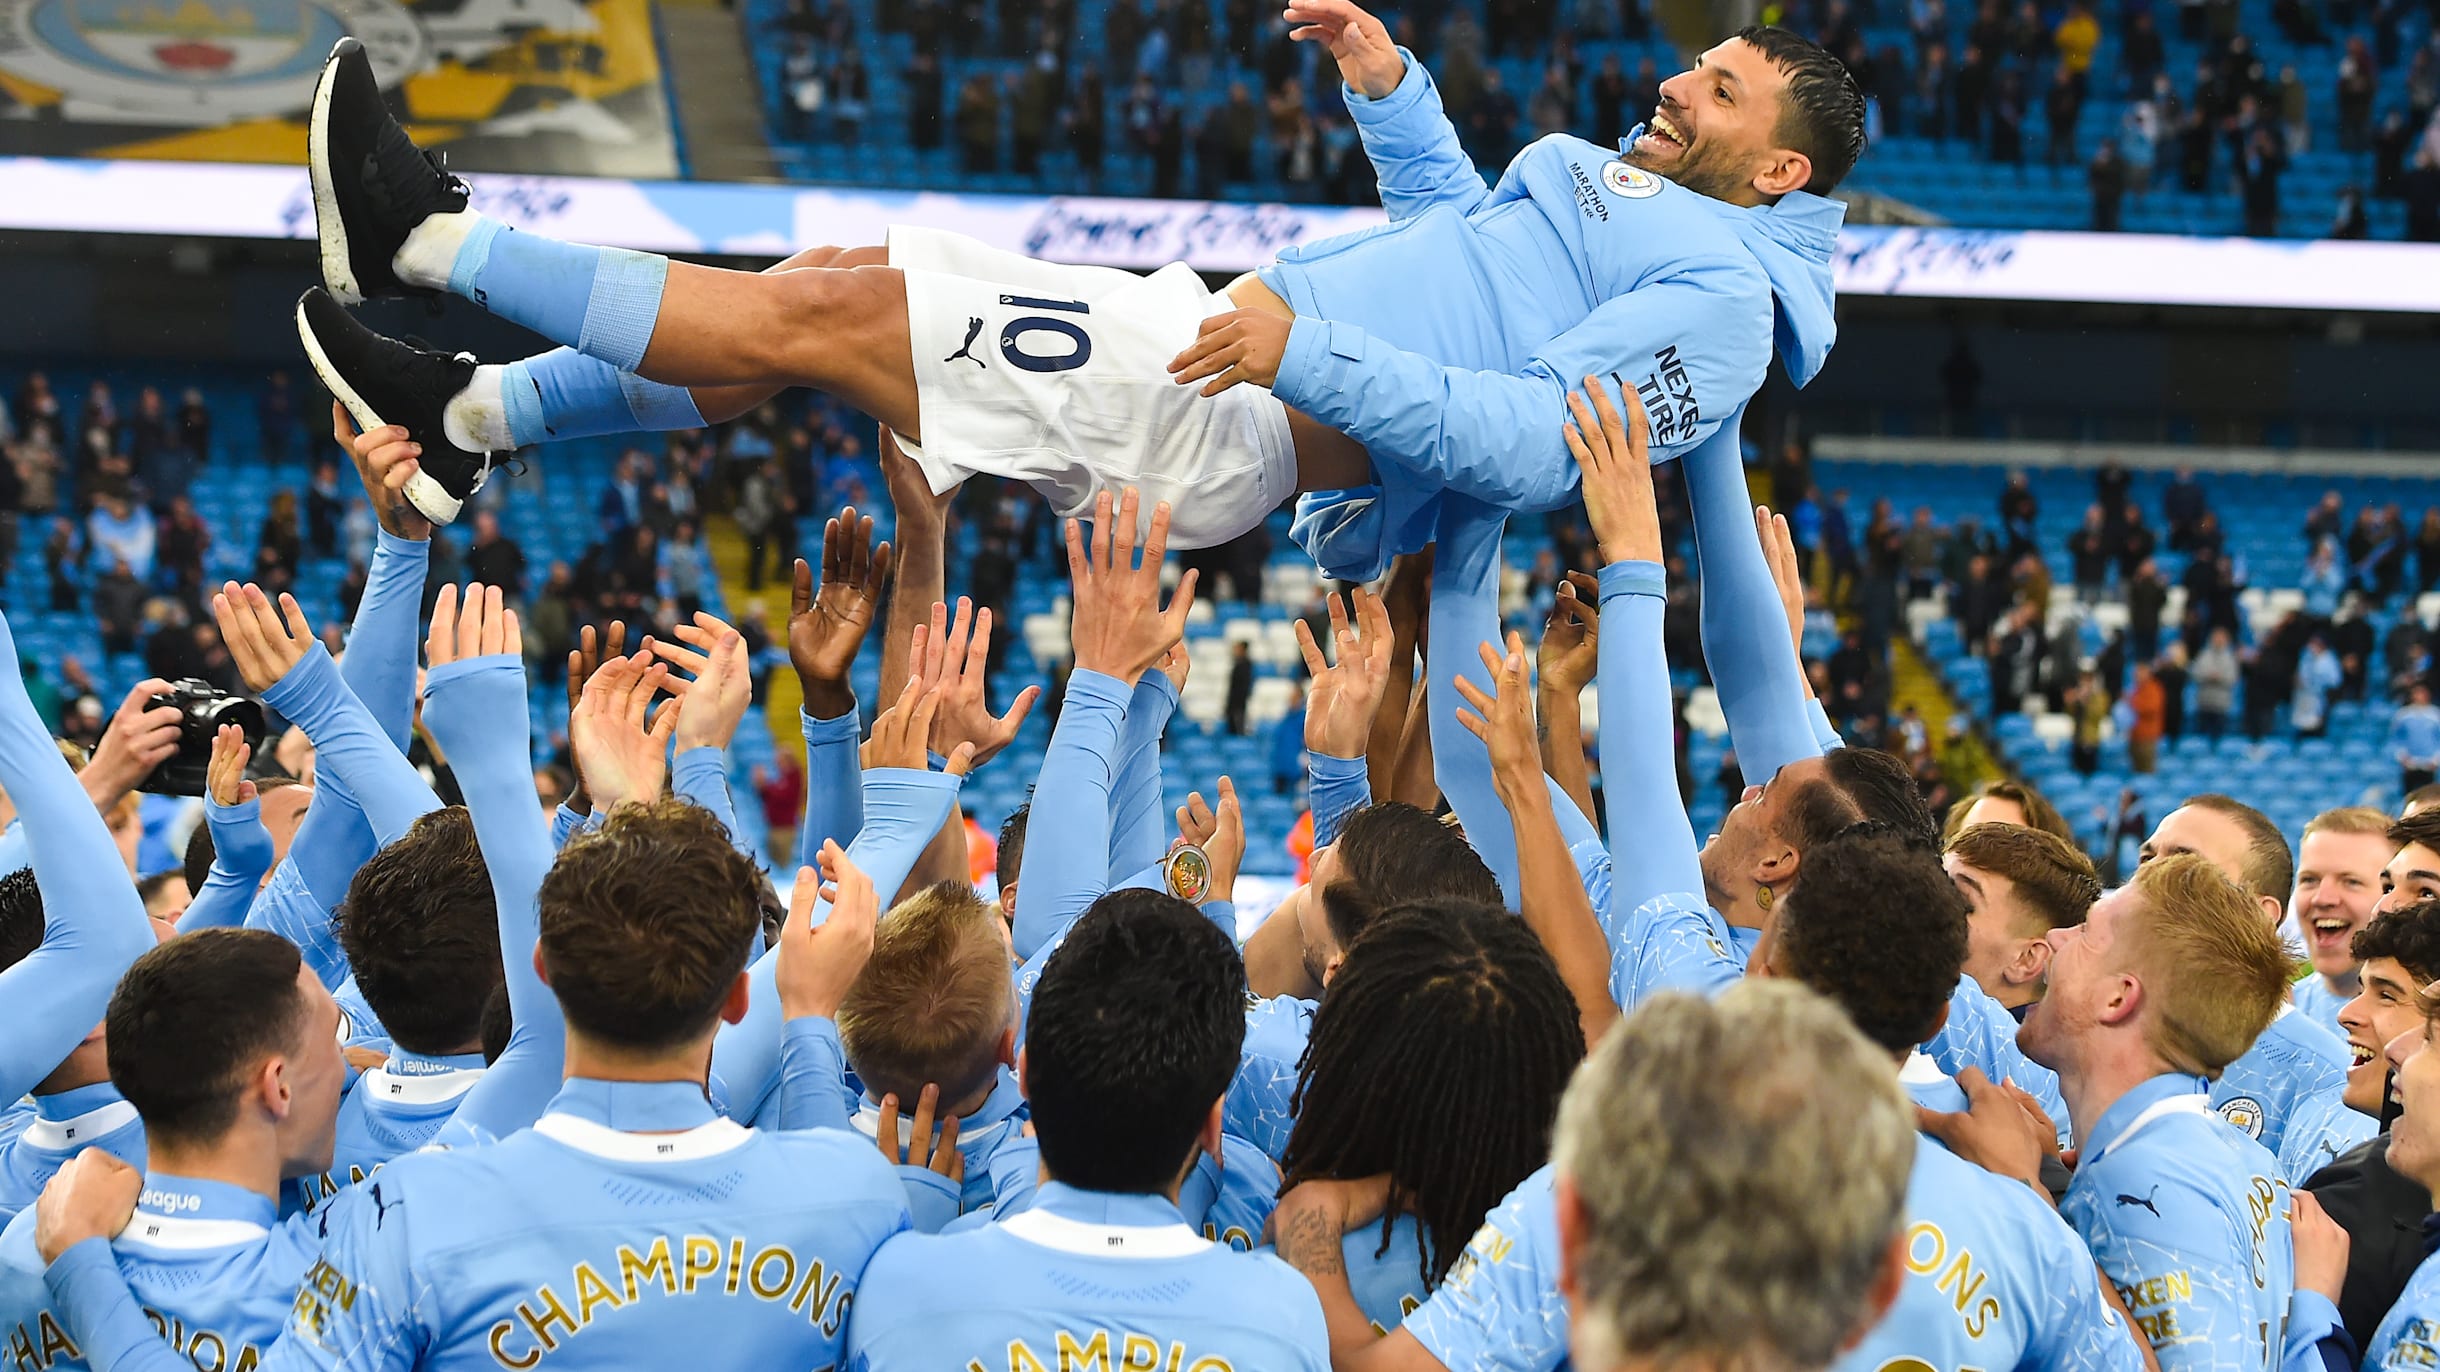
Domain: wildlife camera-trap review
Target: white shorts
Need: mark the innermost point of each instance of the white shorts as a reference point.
(1058, 377)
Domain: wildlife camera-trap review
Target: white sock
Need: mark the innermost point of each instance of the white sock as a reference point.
(432, 247)
(476, 418)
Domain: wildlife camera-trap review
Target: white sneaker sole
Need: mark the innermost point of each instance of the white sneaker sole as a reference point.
(338, 274)
(428, 496)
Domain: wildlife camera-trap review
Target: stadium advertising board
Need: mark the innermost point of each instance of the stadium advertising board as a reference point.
(222, 201)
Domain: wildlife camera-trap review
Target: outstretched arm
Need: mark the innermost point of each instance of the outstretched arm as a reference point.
(826, 628)
(93, 922)
(1342, 706)
(1747, 637)
(1139, 832)
(475, 706)
(1396, 108)
(241, 847)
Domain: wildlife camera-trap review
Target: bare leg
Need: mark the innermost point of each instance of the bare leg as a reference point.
(720, 403)
(836, 329)
(1326, 460)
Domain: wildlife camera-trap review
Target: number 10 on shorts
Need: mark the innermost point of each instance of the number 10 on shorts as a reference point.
(1080, 347)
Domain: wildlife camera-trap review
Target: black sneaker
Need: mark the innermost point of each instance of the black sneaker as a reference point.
(371, 184)
(383, 381)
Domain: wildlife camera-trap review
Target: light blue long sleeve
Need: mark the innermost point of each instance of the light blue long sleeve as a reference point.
(904, 808)
(477, 712)
(1414, 148)
(1745, 629)
(1337, 788)
(1139, 832)
(834, 783)
(348, 745)
(1072, 802)
(1465, 614)
(15, 853)
(1498, 436)
(241, 853)
(93, 922)
(335, 838)
(700, 776)
(1652, 846)
(812, 1077)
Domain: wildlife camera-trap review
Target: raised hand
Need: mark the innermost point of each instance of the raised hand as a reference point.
(923, 1149)
(92, 1197)
(385, 459)
(481, 625)
(911, 493)
(138, 739)
(956, 662)
(1345, 696)
(1505, 721)
(826, 625)
(265, 640)
(720, 683)
(225, 775)
(1176, 664)
(583, 661)
(1995, 1131)
(1779, 550)
(1120, 628)
(902, 735)
(1571, 636)
(1368, 59)
(1219, 832)
(2321, 1245)
(1615, 453)
(1242, 345)
(624, 758)
(817, 966)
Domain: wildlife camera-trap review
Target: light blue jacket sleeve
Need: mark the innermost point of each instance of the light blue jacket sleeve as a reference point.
(1825, 733)
(1072, 800)
(564, 824)
(1465, 614)
(834, 784)
(350, 746)
(1340, 786)
(903, 808)
(241, 853)
(1745, 628)
(477, 712)
(1652, 846)
(1497, 437)
(700, 776)
(93, 922)
(1414, 147)
(1139, 832)
(15, 853)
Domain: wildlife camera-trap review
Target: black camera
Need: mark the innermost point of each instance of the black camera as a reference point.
(202, 708)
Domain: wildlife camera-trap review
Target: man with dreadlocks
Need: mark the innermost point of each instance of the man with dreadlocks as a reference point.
(1451, 994)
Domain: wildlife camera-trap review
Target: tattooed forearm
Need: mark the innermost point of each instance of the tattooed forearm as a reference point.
(1309, 1242)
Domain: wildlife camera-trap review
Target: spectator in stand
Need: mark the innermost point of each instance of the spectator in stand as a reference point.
(280, 547)
(60, 562)
(2017, 512)
(324, 505)
(2183, 503)
(978, 125)
(2147, 699)
(2062, 108)
(118, 607)
(1922, 547)
(2322, 582)
(922, 84)
(2317, 675)
(2147, 597)
(494, 559)
(2351, 220)
(184, 539)
(1240, 687)
(119, 530)
(2414, 738)
(2324, 520)
(1970, 95)
(2215, 684)
(2107, 175)
(2089, 555)
(2258, 169)
(2088, 706)
(275, 418)
(1288, 746)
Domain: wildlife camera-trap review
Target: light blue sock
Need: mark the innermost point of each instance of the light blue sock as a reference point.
(601, 301)
(1745, 629)
(565, 394)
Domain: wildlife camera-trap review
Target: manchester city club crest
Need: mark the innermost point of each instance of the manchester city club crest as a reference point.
(2244, 1112)
(196, 63)
(1632, 182)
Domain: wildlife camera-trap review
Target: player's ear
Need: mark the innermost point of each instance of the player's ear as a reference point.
(541, 968)
(1207, 1138)
(733, 1006)
(1574, 1226)
(2031, 963)
(1783, 170)
(1021, 1076)
(1006, 1055)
